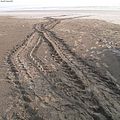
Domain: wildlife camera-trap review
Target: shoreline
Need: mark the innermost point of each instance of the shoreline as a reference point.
(112, 16)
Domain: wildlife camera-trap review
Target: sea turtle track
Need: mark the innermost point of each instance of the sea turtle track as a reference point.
(81, 86)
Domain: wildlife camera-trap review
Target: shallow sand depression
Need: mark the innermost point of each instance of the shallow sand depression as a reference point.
(59, 65)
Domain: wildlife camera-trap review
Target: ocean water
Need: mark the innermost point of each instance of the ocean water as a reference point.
(76, 8)
(18, 8)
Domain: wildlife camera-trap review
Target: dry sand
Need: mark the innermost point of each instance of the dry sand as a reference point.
(12, 32)
(63, 68)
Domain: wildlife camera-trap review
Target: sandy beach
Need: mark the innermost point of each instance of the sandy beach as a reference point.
(60, 65)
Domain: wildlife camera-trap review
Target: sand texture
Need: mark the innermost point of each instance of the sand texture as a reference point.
(59, 69)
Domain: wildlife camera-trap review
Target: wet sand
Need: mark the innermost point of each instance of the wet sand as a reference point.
(61, 67)
(112, 16)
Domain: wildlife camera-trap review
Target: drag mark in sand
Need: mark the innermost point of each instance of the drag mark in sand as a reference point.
(76, 89)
